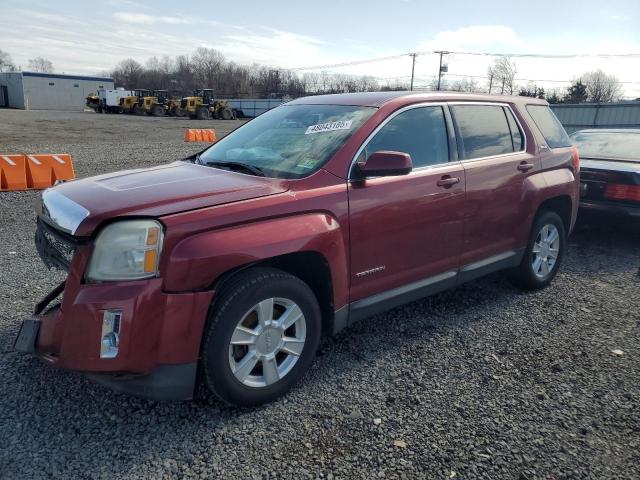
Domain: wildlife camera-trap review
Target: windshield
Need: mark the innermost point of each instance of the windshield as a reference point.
(623, 145)
(290, 141)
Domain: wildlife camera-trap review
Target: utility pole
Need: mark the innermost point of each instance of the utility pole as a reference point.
(413, 67)
(441, 52)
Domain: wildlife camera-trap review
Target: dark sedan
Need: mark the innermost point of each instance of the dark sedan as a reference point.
(609, 171)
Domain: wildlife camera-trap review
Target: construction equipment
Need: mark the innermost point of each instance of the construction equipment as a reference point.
(93, 101)
(133, 103)
(152, 103)
(107, 100)
(203, 106)
(38, 171)
(173, 107)
(200, 135)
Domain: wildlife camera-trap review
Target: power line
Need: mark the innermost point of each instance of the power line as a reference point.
(486, 54)
(487, 78)
(355, 62)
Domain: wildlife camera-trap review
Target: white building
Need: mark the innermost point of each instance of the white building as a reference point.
(48, 91)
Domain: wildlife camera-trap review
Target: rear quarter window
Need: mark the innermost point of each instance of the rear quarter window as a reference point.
(549, 126)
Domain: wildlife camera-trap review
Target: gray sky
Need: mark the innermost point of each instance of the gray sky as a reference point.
(90, 37)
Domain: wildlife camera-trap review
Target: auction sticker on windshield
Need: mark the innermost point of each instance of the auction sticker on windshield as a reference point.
(328, 127)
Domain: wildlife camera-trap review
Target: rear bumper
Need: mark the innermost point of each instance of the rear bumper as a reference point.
(603, 208)
(159, 344)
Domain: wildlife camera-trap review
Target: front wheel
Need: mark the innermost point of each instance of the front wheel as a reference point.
(544, 253)
(261, 338)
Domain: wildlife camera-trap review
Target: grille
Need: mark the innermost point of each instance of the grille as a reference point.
(54, 248)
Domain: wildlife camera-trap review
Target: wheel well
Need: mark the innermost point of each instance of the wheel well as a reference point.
(560, 205)
(310, 267)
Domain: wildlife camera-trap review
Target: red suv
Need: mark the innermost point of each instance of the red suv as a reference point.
(227, 267)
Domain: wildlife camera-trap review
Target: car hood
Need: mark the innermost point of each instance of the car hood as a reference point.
(78, 207)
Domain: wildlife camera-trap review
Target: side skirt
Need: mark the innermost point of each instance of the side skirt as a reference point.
(381, 302)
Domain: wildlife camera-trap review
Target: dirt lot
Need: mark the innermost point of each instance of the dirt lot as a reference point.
(480, 382)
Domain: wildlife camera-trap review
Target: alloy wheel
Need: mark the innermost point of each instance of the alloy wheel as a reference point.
(546, 249)
(267, 342)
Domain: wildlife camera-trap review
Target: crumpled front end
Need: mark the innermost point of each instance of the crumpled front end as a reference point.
(128, 334)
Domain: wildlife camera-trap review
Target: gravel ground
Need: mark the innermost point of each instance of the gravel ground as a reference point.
(483, 381)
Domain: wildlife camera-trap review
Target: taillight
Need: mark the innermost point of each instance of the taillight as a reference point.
(618, 191)
(575, 159)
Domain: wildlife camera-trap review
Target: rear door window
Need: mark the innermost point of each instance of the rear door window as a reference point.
(550, 127)
(421, 132)
(483, 130)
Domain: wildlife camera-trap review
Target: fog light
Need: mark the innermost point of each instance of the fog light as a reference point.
(110, 333)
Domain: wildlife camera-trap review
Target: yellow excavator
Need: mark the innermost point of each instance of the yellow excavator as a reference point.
(203, 106)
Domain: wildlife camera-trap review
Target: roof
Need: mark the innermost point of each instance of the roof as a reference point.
(66, 77)
(377, 99)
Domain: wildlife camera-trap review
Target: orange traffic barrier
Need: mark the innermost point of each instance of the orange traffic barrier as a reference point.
(200, 135)
(38, 171)
(13, 173)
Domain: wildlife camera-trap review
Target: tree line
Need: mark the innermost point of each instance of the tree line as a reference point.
(208, 68)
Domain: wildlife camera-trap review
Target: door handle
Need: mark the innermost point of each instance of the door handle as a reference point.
(447, 181)
(525, 166)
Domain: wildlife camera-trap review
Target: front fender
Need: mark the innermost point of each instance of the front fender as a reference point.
(197, 261)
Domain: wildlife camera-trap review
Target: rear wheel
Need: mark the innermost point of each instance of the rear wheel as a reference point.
(544, 253)
(157, 111)
(261, 338)
(138, 110)
(227, 114)
(202, 113)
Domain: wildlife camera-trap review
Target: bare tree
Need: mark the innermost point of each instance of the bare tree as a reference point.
(128, 73)
(504, 74)
(465, 84)
(208, 68)
(207, 63)
(6, 64)
(601, 88)
(40, 64)
(183, 74)
(433, 83)
(491, 76)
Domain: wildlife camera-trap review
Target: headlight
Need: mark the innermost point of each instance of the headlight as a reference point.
(126, 250)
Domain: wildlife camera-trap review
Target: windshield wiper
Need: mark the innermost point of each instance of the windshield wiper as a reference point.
(252, 169)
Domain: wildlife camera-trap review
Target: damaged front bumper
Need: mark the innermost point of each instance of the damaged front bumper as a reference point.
(159, 333)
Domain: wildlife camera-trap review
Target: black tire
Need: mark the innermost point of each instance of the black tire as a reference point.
(138, 110)
(157, 111)
(236, 298)
(202, 113)
(524, 275)
(227, 114)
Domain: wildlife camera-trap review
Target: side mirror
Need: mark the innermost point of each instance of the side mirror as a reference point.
(386, 164)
